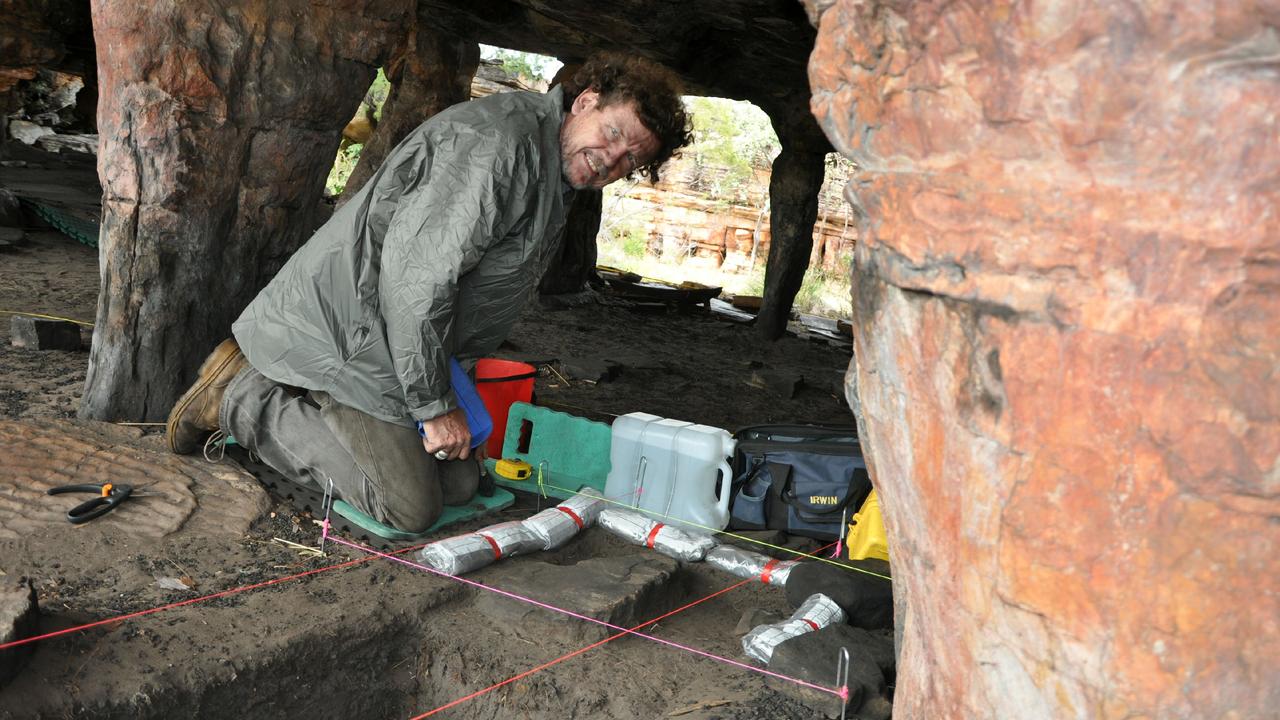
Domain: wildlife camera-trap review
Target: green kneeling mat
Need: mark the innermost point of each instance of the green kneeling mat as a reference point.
(575, 450)
(476, 507)
(353, 522)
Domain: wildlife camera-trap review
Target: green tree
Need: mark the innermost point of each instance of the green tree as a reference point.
(731, 140)
(528, 66)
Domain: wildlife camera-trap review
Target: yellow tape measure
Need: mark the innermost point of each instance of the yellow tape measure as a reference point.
(513, 469)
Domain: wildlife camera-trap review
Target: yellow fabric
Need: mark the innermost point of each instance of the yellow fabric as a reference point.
(866, 537)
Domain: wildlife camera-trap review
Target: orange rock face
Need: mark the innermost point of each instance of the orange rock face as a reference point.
(1067, 301)
(218, 123)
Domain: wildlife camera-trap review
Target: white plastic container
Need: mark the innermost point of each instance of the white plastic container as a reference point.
(672, 469)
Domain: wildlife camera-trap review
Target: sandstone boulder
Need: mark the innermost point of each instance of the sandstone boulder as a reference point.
(1066, 301)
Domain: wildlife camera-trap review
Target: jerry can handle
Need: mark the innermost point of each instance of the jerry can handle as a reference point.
(726, 483)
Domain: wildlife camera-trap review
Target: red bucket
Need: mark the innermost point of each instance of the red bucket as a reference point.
(499, 384)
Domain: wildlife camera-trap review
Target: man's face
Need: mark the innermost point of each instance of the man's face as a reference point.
(599, 145)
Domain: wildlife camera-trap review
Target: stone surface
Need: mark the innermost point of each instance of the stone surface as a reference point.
(624, 591)
(19, 618)
(41, 334)
(813, 657)
(183, 493)
(217, 125)
(866, 599)
(1066, 300)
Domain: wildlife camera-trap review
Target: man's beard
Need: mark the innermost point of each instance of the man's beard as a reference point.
(566, 165)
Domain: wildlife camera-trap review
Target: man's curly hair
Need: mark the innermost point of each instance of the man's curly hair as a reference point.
(654, 89)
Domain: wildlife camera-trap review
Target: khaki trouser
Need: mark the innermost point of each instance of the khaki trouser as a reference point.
(378, 467)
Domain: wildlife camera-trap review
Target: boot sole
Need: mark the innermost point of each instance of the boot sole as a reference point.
(206, 376)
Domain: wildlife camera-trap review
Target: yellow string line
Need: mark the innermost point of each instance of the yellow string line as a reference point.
(732, 535)
(47, 317)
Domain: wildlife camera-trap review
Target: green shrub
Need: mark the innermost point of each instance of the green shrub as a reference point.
(635, 242)
(343, 165)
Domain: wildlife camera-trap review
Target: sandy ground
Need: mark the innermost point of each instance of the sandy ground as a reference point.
(375, 639)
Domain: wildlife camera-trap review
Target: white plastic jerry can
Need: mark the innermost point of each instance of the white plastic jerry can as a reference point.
(675, 470)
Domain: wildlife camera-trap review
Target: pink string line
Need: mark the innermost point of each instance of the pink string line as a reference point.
(189, 601)
(572, 654)
(579, 616)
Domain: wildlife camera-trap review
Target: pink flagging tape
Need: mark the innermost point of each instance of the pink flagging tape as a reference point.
(570, 613)
(190, 601)
(572, 654)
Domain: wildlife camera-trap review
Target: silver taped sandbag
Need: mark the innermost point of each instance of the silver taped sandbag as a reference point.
(555, 526)
(751, 565)
(586, 505)
(459, 554)
(816, 612)
(668, 540)
(511, 538)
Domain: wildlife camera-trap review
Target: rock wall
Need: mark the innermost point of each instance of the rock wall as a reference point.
(34, 34)
(427, 72)
(677, 218)
(218, 124)
(1067, 318)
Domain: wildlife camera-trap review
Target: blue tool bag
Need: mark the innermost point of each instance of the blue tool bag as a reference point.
(797, 478)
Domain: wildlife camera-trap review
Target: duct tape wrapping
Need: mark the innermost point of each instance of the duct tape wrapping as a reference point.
(587, 505)
(554, 526)
(817, 611)
(751, 565)
(511, 538)
(672, 541)
(460, 554)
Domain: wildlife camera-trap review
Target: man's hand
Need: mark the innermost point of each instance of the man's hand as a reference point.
(449, 433)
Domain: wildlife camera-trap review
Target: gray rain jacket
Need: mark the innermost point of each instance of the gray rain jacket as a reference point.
(434, 257)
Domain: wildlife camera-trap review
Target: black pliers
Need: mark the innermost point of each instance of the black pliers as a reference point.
(109, 496)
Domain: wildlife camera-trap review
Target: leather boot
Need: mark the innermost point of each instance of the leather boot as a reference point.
(195, 415)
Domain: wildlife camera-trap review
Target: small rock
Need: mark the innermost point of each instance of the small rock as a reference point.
(27, 132)
(18, 619)
(866, 599)
(777, 382)
(41, 334)
(590, 369)
(10, 210)
(11, 237)
(813, 657)
(623, 591)
(754, 618)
